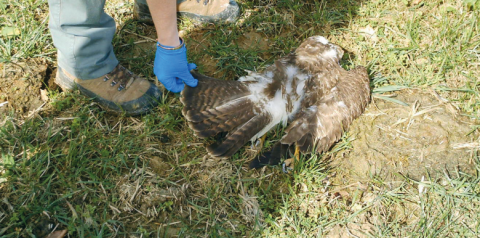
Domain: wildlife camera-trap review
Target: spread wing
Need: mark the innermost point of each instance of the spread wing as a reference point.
(216, 106)
(326, 114)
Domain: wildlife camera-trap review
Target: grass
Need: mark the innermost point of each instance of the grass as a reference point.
(24, 32)
(76, 168)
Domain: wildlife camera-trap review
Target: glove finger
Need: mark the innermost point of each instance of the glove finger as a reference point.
(189, 80)
(177, 87)
(191, 66)
(168, 83)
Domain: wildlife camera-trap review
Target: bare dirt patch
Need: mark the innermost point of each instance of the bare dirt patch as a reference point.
(423, 139)
(253, 40)
(198, 43)
(22, 87)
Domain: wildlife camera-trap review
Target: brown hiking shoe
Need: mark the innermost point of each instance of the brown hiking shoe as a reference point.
(199, 10)
(119, 91)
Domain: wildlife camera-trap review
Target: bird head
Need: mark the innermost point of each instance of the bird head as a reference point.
(316, 51)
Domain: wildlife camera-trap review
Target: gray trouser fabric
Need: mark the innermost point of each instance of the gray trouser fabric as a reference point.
(82, 33)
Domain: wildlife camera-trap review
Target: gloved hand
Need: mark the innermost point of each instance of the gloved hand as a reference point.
(172, 69)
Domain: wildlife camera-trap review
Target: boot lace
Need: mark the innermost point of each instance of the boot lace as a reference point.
(121, 76)
(205, 2)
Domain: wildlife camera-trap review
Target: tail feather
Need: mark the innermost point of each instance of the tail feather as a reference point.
(241, 135)
(272, 157)
(305, 144)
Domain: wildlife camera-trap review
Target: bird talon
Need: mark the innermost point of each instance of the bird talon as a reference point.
(286, 169)
(259, 143)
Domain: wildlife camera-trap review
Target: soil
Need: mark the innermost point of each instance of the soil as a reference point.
(427, 138)
(23, 87)
(253, 40)
(198, 43)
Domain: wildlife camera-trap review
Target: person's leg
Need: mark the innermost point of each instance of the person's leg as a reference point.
(83, 34)
(199, 10)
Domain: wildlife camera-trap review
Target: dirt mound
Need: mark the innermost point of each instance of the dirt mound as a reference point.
(22, 87)
(426, 138)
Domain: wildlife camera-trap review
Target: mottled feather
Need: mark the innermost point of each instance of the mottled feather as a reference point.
(307, 88)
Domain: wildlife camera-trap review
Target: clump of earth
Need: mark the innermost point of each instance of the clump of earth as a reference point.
(22, 87)
(428, 138)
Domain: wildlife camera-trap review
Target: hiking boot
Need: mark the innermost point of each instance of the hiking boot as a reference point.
(119, 91)
(198, 10)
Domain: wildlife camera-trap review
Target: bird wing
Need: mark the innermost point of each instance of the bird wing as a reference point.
(217, 106)
(246, 109)
(326, 114)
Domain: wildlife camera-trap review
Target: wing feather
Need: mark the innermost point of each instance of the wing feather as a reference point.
(217, 106)
(240, 136)
(330, 112)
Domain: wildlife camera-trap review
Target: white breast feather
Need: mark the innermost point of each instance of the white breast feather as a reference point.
(269, 74)
(329, 54)
(301, 83)
(321, 39)
(342, 104)
(257, 96)
(291, 71)
(300, 94)
(276, 107)
(253, 76)
(296, 106)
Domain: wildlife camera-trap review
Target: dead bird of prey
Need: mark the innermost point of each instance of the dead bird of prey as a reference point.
(307, 89)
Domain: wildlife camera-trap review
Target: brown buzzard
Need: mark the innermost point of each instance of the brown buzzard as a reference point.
(307, 89)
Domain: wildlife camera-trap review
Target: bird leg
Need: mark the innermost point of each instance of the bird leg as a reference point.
(259, 143)
(288, 164)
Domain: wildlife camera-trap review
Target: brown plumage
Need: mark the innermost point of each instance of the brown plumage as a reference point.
(307, 88)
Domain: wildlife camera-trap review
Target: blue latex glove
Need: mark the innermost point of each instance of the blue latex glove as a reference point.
(172, 69)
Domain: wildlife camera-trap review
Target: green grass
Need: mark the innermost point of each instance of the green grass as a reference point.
(94, 174)
(24, 31)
